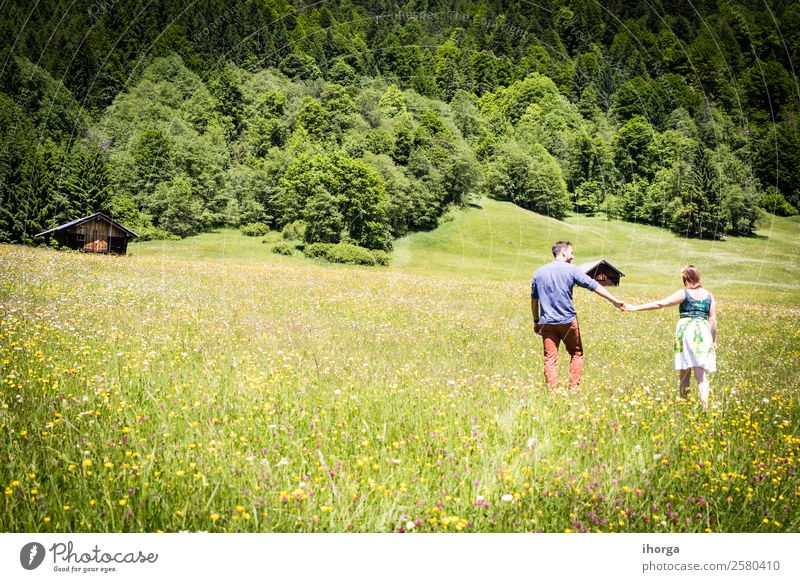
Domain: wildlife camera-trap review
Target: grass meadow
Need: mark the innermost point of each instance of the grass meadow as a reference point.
(211, 385)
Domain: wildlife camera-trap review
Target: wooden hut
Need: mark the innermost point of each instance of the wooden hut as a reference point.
(603, 272)
(92, 234)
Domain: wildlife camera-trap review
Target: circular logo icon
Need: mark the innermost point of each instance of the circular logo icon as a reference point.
(31, 555)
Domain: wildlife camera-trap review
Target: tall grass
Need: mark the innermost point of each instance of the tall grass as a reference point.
(165, 391)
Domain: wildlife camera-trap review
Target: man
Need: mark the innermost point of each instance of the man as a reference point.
(551, 295)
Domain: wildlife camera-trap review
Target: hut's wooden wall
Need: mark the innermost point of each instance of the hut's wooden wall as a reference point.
(605, 276)
(95, 235)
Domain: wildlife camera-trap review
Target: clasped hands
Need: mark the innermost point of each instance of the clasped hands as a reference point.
(622, 306)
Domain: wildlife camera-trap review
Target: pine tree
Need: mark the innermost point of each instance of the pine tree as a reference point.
(449, 69)
(88, 180)
(153, 163)
(228, 103)
(698, 211)
(17, 152)
(48, 188)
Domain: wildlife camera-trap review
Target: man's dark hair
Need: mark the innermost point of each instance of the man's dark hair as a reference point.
(560, 246)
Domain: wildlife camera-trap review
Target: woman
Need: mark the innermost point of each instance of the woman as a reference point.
(695, 333)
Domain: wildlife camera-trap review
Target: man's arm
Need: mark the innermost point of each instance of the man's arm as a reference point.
(601, 291)
(537, 327)
(583, 280)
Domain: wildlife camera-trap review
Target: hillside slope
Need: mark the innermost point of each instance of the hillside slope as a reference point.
(501, 241)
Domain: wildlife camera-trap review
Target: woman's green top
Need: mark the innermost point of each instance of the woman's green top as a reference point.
(697, 308)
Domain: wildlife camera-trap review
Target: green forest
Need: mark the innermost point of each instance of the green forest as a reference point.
(359, 122)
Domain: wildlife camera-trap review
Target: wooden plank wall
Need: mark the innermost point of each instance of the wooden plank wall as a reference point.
(96, 233)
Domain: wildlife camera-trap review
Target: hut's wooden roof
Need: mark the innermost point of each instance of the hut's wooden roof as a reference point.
(586, 267)
(86, 219)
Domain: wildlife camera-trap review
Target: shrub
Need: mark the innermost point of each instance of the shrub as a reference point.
(588, 197)
(529, 177)
(283, 248)
(341, 253)
(334, 191)
(775, 202)
(154, 233)
(294, 230)
(255, 229)
(381, 257)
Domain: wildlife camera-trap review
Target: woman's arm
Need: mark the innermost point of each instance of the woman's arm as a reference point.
(712, 320)
(673, 299)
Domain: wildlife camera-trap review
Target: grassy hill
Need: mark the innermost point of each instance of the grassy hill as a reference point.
(503, 242)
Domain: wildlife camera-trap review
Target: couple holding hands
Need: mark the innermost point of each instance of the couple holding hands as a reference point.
(555, 320)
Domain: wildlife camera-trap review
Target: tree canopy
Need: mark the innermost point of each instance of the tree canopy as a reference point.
(367, 123)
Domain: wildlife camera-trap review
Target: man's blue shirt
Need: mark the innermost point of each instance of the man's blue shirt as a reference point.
(552, 285)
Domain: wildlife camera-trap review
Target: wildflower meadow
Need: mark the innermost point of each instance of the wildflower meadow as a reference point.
(245, 392)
